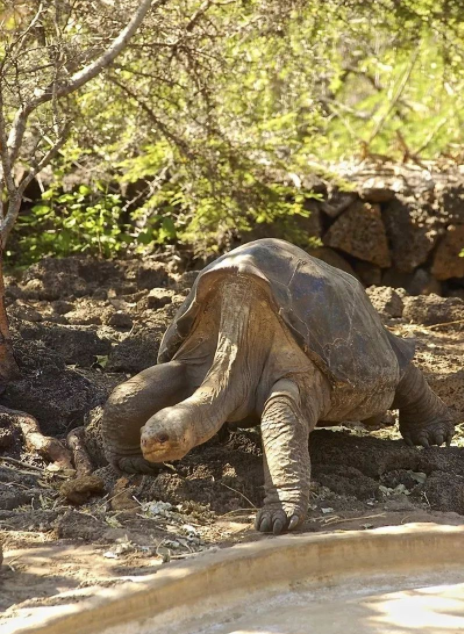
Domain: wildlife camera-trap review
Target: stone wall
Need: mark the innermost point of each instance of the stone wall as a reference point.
(401, 227)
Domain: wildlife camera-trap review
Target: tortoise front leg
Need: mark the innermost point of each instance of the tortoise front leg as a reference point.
(129, 407)
(287, 467)
(424, 418)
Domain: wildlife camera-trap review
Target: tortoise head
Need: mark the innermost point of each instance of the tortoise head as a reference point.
(168, 435)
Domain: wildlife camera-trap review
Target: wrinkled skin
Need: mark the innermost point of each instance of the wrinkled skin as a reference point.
(240, 359)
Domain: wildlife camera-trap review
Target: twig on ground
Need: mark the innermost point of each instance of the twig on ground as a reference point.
(238, 492)
(49, 448)
(21, 464)
(446, 323)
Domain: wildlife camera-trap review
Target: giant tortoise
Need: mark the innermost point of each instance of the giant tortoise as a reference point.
(270, 332)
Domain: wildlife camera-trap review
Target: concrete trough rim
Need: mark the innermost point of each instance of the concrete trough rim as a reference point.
(206, 583)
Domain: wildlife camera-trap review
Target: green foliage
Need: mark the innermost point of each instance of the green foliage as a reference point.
(79, 222)
(213, 120)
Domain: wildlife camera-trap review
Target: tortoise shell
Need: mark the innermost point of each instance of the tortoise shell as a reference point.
(326, 310)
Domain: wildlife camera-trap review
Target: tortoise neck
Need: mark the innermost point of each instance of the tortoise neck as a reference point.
(229, 388)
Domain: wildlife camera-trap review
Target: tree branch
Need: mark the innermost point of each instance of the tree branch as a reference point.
(180, 143)
(94, 68)
(396, 97)
(6, 172)
(78, 79)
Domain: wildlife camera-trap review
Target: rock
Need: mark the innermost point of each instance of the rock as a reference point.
(125, 288)
(56, 319)
(369, 274)
(456, 292)
(156, 298)
(6, 438)
(83, 317)
(412, 232)
(333, 258)
(337, 201)
(290, 227)
(120, 319)
(419, 282)
(447, 262)
(432, 309)
(100, 294)
(376, 190)
(396, 279)
(80, 490)
(12, 291)
(24, 312)
(449, 201)
(422, 283)
(151, 275)
(61, 307)
(360, 232)
(312, 183)
(187, 280)
(386, 300)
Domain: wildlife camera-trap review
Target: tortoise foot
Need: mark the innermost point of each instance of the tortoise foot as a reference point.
(135, 464)
(426, 434)
(278, 518)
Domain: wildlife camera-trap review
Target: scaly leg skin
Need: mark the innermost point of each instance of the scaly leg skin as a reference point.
(129, 407)
(287, 467)
(424, 418)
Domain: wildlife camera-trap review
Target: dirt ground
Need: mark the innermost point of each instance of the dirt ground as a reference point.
(82, 326)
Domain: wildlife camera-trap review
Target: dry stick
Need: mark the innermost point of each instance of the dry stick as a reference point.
(241, 494)
(18, 463)
(446, 323)
(50, 448)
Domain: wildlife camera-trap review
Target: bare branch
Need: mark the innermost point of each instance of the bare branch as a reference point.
(94, 68)
(6, 172)
(78, 79)
(149, 112)
(396, 97)
(7, 224)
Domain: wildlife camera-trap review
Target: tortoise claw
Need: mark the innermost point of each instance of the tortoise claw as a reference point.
(278, 525)
(277, 521)
(263, 522)
(295, 521)
(425, 435)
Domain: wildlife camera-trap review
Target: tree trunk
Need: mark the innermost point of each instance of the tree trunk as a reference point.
(9, 370)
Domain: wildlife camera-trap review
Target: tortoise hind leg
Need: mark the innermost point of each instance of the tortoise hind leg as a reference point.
(129, 407)
(424, 418)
